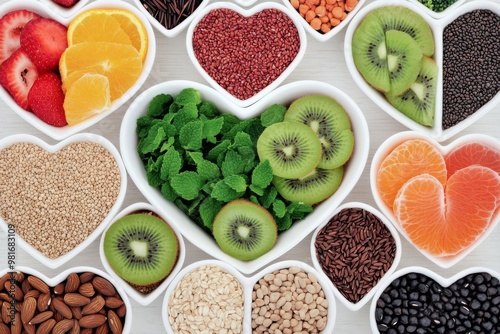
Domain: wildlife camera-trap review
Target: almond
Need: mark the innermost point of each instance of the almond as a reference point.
(92, 321)
(32, 293)
(86, 277)
(4, 329)
(16, 291)
(103, 286)
(62, 326)
(103, 329)
(28, 309)
(113, 302)
(121, 311)
(72, 283)
(41, 317)
(16, 327)
(59, 289)
(43, 301)
(29, 329)
(86, 331)
(87, 289)
(4, 279)
(38, 284)
(19, 276)
(5, 297)
(25, 286)
(46, 327)
(76, 327)
(62, 308)
(95, 305)
(75, 299)
(6, 313)
(77, 312)
(114, 322)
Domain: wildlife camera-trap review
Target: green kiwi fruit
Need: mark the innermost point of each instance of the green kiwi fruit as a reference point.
(328, 119)
(142, 249)
(244, 230)
(369, 53)
(311, 189)
(418, 102)
(408, 21)
(292, 148)
(403, 60)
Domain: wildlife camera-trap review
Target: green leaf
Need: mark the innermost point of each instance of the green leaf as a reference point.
(154, 139)
(208, 210)
(153, 171)
(241, 139)
(211, 128)
(284, 223)
(218, 150)
(230, 121)
(143, 124)
(208, 170)
(167, 144)
(232, 164)
(224, 193)
(279, 208)
(185, 115)
(159, 105)
(191, 134)
(236, 182)
(172, 164)
(187, 184)
(269, 196)
(273, 114)
(188, 95)
(257, 190)
(168, 192)
(208, 109)
(262, 174)
(299, 210)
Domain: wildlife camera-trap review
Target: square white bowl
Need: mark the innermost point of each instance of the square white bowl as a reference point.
(59, 133)
(59, 261)
(143, 299)
(283, 95)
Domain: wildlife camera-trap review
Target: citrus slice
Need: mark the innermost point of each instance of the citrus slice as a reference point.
(119, 62)
(472, 154)
(109, 25)
(411, 158)
(87, 97)
(445, 221)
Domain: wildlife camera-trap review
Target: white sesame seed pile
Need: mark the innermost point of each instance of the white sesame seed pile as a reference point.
(56, 200)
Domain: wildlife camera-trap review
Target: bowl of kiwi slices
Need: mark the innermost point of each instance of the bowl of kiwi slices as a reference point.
(142, 251)
(244, 189)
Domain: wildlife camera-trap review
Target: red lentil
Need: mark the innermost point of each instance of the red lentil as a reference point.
(245, 54)
(323, 15)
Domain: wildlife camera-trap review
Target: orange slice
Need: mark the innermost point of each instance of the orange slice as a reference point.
(444, 221)
(120, 63)
(87, 97)
(472, 154)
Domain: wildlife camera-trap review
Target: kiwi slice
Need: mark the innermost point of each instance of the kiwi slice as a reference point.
(369, 53)
(311, 189)
(292, 148)
(244, 230)
(406, 20)
(142, 249)
(418, 102)
(403, 60)
(330, 122)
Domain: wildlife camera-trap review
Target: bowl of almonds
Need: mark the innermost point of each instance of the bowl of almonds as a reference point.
(80, 300)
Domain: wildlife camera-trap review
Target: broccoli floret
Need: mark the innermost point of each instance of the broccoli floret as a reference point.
(188, 95)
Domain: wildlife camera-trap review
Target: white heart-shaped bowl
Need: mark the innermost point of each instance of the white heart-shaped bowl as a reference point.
(444, 282)
(52, 282)
(247, 284)
(245, 12)
(438, 15)
(388, 145)
(175, 30)
(284, 95)
(318, 35)
(24, 138)
(319, 266)
(437, 26)
(59, 133)
(136, 295)
(64, 11)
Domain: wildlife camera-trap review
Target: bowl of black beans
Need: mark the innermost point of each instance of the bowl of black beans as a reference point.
(417, 300)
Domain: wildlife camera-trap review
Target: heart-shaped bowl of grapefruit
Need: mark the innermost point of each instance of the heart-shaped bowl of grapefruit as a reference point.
(63, 74)
(443, 199)
(245, 53)
(202, 167)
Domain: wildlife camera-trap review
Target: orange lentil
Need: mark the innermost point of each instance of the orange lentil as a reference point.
(334, 22)
(295, 3)
(322, 15)
(324, 19)
(337, 12)
(344, 15)
(303, 9)
(351, 3)
(310, 15)
(316, 23)
(330, 2)
(325, 27)
(320, 11)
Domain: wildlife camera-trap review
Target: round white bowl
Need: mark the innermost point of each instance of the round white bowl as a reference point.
(247, 285)
(284, 95)
(397, 256)
(245, 12)
(317, 35)
(57, 262)
(444, 282)
(52, 282)
(136, 295)
(437, 26)
(387, 146)
(59, 133)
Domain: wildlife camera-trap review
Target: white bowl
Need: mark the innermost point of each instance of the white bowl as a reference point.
(245, 12)
(59, 133)
(247, 285)
(387, 146)
(284, 95)
(64, 11)
(57, 262)
(437, 26)
(52, 282)
(136, 295)
(438, 15)
(175, 30)
(317, 35)
(444, 282)
(397, 256)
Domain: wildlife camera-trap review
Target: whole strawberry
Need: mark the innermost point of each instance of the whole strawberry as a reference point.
(66, 3)
(44, 40)
(46, 99)
(11, 25)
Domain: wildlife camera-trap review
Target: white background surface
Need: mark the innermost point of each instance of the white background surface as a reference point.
(323, 62)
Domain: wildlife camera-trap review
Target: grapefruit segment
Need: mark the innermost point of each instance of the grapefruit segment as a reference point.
(472, 154)
(445, 221)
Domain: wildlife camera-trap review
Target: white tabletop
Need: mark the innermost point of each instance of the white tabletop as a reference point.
(322, 61)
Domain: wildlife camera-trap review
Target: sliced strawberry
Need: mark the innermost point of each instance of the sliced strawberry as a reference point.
(17, 75)
(11, 25)
(44, 40)
(66, 3)
(46, 99)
